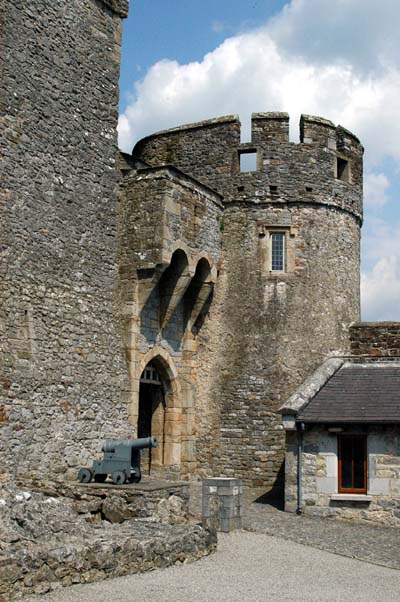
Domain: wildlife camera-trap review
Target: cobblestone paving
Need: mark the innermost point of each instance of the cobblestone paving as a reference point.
(379, 545)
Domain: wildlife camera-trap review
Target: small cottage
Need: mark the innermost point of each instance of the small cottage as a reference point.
(343, 433)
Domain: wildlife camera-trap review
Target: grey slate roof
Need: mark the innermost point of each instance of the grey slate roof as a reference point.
(357, 393)
(310, 387)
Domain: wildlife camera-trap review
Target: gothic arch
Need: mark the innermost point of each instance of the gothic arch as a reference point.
(173, 419)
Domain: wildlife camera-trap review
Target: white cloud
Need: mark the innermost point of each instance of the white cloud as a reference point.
(364, 32)
(375, 186)
(380, 290)
(380, 277)
(275, 68)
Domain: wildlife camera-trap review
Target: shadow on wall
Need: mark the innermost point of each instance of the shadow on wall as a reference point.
(275, 495)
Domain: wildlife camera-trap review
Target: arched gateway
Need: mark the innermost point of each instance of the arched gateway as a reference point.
(151, 416)
(158, 415)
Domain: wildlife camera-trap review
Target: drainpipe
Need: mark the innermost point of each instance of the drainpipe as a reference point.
(300, 431)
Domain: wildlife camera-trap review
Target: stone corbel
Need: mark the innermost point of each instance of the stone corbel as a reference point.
(201, 300)
(171, 297)
(147, 281)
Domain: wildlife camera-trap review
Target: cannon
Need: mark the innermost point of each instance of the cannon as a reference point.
(121, 460)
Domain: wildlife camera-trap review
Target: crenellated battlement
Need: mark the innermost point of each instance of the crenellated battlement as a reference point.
(324, 167)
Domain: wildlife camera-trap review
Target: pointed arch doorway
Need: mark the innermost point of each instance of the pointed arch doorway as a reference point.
(153, 389)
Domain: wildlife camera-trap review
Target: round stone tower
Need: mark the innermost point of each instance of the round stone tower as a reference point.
(288, 282)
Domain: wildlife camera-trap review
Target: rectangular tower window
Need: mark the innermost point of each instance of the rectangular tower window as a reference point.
(277, 242)
(342, 169)
(248, 160)
(352, 454)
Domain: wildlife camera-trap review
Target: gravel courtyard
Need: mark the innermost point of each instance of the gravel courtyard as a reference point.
(253, 567)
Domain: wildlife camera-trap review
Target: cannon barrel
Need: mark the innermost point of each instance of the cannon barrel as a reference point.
(145, 442)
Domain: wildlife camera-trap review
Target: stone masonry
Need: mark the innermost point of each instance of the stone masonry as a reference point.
(63, 374)
(372, 413)
(320, 476)
(222, 504)
(47, 542)
(169, 249)
(375, 338)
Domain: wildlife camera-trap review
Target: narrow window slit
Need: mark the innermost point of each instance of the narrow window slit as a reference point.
(342, 169)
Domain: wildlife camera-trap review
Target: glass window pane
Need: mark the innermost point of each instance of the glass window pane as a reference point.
(277, 251)
(358, 462)
(346, 448)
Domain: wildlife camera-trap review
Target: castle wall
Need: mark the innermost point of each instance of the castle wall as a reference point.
(267, 331)
(286, 171)
(63, 372)
(375, 338)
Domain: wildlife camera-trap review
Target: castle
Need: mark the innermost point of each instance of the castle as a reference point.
(177, 291)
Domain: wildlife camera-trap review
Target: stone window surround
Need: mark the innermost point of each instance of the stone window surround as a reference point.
(264, 233)
(248, 151)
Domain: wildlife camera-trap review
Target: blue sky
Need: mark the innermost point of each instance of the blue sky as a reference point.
(183, 61)
(182, 30)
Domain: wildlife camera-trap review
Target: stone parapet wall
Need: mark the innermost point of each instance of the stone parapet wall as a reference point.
(162, 501)
(133, 548)
(46, 544)
(285, 172)
(162, 210)
(375, 338)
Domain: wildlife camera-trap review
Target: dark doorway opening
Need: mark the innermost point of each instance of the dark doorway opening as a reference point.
(151, 416)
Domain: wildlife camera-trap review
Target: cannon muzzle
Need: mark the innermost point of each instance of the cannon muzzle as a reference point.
(144, 443)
